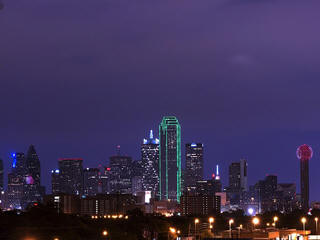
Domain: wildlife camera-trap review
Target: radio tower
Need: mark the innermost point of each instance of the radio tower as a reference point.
(304, 153)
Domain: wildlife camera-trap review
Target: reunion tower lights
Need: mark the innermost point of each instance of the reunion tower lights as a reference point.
(304, 153)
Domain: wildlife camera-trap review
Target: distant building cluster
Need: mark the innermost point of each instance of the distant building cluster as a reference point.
(155, 184)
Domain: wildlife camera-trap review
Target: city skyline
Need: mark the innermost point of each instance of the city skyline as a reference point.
(225, 175)
(238, 76)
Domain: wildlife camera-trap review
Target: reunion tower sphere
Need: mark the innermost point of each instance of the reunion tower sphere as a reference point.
(304, 152)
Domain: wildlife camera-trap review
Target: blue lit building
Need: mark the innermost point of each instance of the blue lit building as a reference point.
(150, 164)
(16, 181)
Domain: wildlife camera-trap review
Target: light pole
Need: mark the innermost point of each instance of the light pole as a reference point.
(316, 219)
(211, 221)
(231, 221)
(196, 221)
(255, 222)
(275, 220)
(105, 233)
(304, 220)
(240, 227)
(172, 231)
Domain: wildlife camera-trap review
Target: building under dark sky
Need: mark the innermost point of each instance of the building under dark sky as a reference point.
(241, 76)
(150, 164)
(170, 159)
(194, 164)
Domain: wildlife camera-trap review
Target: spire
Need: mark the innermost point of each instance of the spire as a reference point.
(118, 150)
(151, 134)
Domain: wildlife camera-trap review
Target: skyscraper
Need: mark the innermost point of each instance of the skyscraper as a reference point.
(150, 164)
(91, 181)
(304, 153)
(170, 159)
(33, 165)
(1, 176)
(16, 180)
(120, 174)
(71, 175)
(33, 191)
(238, 182)
(238, 178)
(194, 164)
(55, 181)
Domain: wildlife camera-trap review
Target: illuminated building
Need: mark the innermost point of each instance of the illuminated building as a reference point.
(71, 175)
(107, 204)
(33, 191)
(16, 181)
(150, 164)
(304, 153)
(120, 174)
(55, 181)
(238, 182)
(1, 176)
(267, 193)
(170, 159)
(90, 181)
(194, 164)
(33, 165)
(200, 204)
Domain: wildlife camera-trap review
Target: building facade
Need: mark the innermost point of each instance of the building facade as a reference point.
(200, 204)
(33, 191)
(120, 174)
(91, 177)
(170, 159)
(71, 175)
(16, 180)
(150, 164)
(1, 176)
(194, 164)
(238, 181)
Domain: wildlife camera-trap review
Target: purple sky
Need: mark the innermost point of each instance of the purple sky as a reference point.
(79, 77)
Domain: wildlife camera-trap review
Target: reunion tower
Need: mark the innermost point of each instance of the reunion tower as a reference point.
(304, 153)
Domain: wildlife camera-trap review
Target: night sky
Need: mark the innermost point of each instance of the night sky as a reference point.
(79, 77)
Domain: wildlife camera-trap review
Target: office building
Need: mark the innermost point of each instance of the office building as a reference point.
(238, 182)
(194, 164)
(120, 174)
(33, 191)
(150, 164)
(1, 176)
(71, 175)
(55, 181)
(16, 180)
(199, 204)
(91, 177)
(170, 159)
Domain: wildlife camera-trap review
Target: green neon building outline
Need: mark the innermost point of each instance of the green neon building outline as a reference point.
(163, 129)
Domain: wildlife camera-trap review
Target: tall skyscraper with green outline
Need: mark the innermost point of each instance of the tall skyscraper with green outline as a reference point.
(170, 159)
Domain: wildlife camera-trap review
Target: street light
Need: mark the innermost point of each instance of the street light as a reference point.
(240, 227)
(316, 219)
(211, 220)
(231, 221)
(196, 221)
(275, 220)
(255, 221)
(104, 233)
(304, 220)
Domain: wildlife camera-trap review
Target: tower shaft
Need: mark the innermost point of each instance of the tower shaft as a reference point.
(304, 183)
